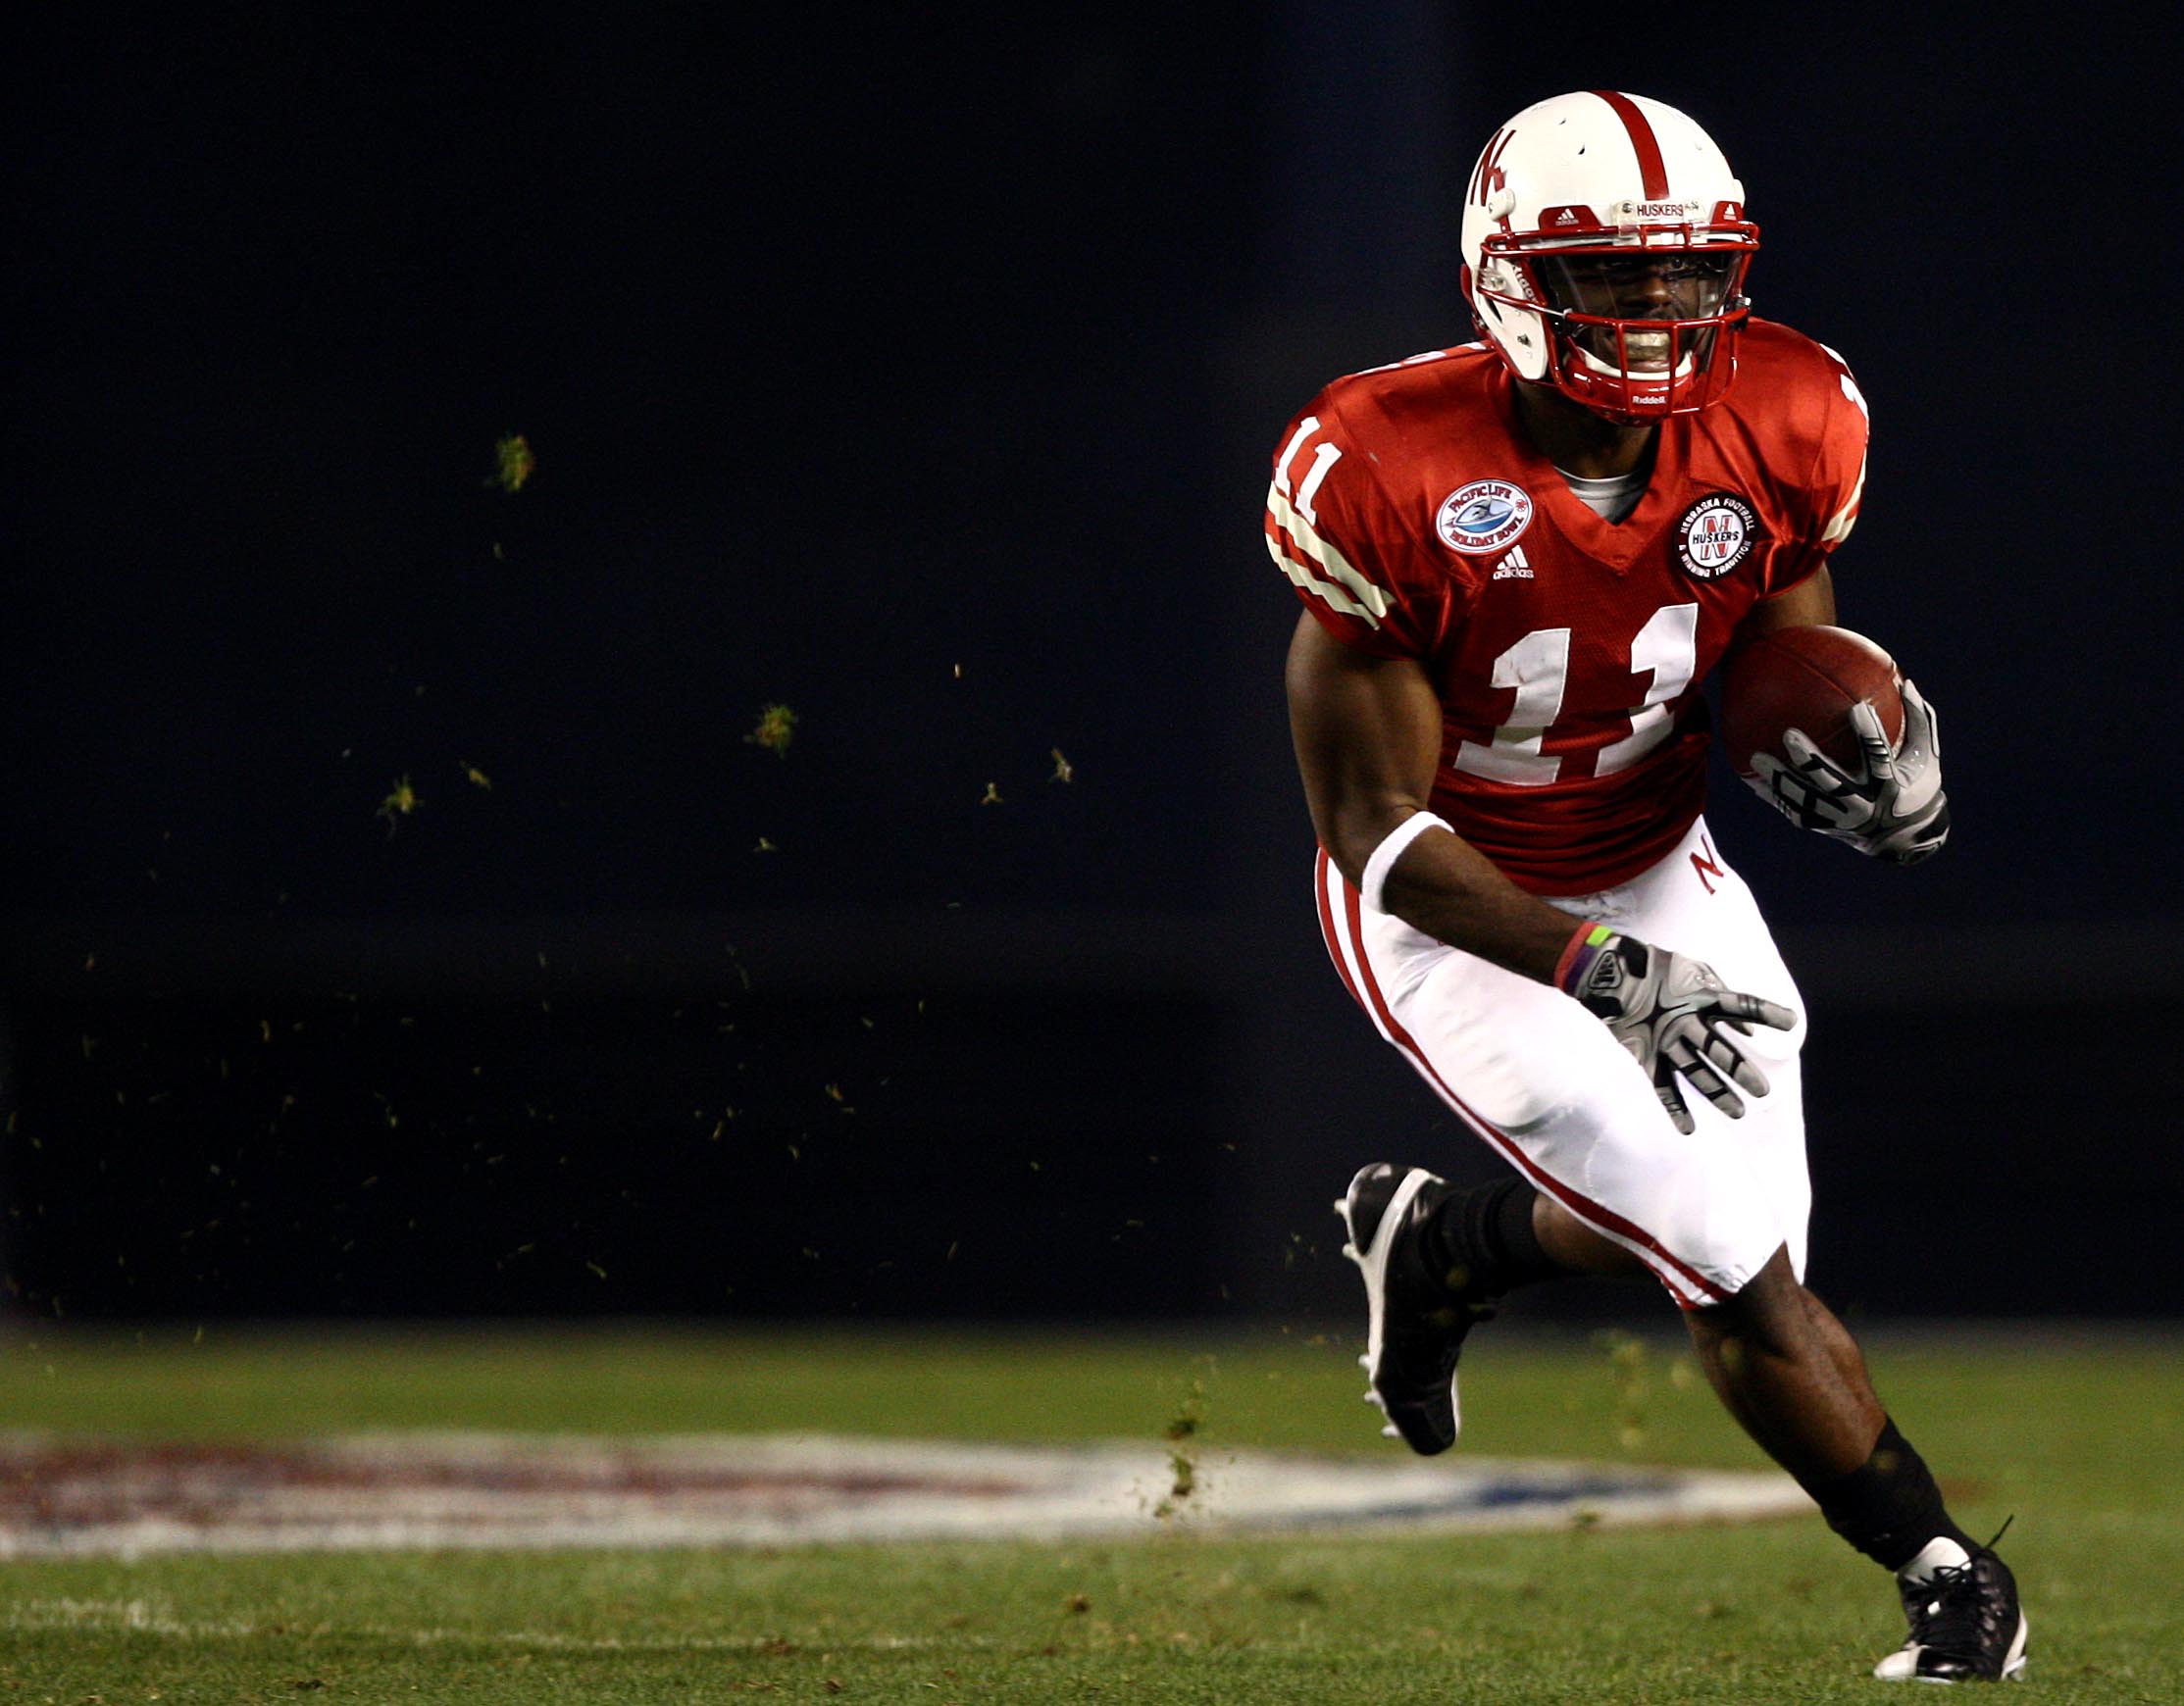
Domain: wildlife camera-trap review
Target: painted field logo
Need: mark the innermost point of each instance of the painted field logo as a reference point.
(1484, 516)
(66, 1497)
(1715, 534)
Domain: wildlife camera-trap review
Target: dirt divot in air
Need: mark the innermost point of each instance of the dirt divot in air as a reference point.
(75, 1497)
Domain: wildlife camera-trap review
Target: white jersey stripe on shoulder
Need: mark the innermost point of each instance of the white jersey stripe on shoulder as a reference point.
(1334, 597)
(1332, 563)
(1305, 429)
(1845, 518)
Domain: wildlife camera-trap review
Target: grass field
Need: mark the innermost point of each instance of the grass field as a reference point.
(2077, 1433)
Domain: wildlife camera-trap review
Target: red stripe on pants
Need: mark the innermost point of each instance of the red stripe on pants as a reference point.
(1594, 1214)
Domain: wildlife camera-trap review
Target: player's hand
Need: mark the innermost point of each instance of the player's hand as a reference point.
(1675, 1015)
(1892, 807)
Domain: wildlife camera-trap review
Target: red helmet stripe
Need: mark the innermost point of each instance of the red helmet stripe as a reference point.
(1652, 168)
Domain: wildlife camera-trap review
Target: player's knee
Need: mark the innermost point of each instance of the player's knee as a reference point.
(1718, 1220)
(1768, 1310)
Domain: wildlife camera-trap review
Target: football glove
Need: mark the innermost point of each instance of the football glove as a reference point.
(1891, 806)
(1674, 1014)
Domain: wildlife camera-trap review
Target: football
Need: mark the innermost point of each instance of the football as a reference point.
(1808, 679)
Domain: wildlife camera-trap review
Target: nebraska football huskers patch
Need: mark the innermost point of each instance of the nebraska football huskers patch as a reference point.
(1715, 534)
(1484, 516)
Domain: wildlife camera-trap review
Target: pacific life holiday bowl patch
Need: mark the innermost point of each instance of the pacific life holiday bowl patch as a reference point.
(1484, 516)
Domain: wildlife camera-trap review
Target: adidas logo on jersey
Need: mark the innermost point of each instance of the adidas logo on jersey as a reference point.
(1513, 566)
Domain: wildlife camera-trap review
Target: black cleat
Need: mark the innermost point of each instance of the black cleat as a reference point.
(1415, 1321)
(1966, 1625)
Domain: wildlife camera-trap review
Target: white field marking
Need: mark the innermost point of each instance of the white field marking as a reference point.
(137, 1616)
(63, 1497)
(118, 1614)
(85, 1615)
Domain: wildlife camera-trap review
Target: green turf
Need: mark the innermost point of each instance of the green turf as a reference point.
(2076, 1434)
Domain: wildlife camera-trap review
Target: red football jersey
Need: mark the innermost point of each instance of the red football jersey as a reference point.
(1416, 521)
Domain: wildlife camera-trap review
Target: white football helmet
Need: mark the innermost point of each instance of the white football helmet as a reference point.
(1604, 249)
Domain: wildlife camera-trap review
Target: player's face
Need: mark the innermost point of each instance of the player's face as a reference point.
(1659, 285)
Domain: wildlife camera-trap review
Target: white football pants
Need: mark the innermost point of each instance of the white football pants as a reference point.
(1550, 1090)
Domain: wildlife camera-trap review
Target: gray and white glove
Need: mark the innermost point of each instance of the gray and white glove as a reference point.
(1674, 1014)
(1892, 807)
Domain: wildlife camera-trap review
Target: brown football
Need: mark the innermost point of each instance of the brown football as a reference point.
(1808, 679)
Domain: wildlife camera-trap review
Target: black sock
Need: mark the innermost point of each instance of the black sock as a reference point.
(1889, 1507)
(1483, 1240)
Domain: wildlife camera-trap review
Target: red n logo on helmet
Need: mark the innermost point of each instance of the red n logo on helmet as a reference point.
(1490, 177)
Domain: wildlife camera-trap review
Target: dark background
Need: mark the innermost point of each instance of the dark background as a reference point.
(920, 374)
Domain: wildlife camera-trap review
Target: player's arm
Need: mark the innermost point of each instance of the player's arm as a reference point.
(1810, 603)
(1367, 731)
(1891, 805)
(1368, 740)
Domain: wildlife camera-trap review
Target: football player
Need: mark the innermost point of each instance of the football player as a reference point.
(1518, 559)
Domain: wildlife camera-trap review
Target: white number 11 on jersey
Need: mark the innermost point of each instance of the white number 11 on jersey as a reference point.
(1538, 667)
